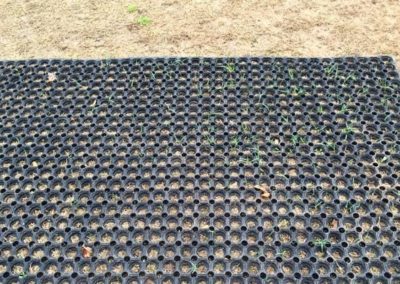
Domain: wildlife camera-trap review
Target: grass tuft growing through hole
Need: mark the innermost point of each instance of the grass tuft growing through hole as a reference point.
(193, 268)
(322, 244)
(22, 275)
(292, 73)
(230, 68)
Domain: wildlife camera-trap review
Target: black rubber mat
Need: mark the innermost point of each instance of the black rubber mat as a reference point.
(200, 170)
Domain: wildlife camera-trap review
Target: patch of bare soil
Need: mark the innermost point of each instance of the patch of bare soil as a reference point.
(106, 29)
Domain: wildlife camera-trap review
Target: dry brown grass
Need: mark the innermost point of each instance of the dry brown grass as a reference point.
(94, 29)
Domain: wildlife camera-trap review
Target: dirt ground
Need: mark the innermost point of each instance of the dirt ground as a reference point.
(106, 29)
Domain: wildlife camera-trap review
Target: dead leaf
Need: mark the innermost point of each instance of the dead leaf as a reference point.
(51, 77)
(86, 251)
(265, 194)
(334, 223)
(261, 188)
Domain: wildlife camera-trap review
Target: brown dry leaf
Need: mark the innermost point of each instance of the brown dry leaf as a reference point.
(86, 251)
(261, 188)
(51, 77)
(334, 223)
(265, 194)
(93, 104)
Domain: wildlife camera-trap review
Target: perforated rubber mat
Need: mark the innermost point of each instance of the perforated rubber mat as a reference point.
(200, 170)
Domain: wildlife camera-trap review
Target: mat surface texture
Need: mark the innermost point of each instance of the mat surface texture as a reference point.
(200, 170)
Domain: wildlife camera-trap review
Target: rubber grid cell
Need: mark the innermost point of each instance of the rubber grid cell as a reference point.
(200, 170)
